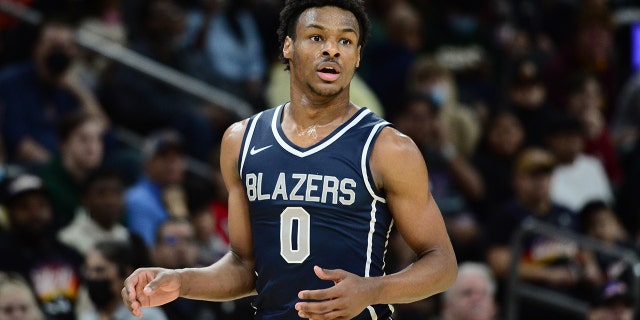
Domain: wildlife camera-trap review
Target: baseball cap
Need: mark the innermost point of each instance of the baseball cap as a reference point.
(532, 160)
(161, 142)
(23, 184)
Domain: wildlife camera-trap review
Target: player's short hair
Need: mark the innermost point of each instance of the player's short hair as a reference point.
(294, 8)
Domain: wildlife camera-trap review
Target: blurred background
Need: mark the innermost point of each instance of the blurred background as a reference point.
(527, 113)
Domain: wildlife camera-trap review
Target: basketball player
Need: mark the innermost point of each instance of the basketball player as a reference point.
(314, 188)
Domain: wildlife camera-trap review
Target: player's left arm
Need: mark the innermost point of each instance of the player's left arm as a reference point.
(399, 169)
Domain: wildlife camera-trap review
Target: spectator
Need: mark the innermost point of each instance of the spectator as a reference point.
(176, 247)
(461, 124)
(158, 194)
(105, 268)
(494, 160)
(17, 301)
(577, 178)
(146, 104)
(553, 263)
(388, 63)
(103, 18)
(227, 36)
(613, 303)
(51, 268)
(585, 102)
(35, 94)
(81, 151)
(527, 97)
(591, 49)
(211, 246)
(99, 217)
(453, 180)
(472, 296)
(599, 221)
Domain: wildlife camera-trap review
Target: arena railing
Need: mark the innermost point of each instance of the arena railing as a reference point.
(518, 289)
(129, 58)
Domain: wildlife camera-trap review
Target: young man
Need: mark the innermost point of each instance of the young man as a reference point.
(314, 186)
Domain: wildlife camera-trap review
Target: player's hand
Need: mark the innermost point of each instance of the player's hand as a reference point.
(150, 287)
(345, 300)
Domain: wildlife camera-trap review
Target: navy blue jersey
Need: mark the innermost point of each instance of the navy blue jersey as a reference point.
(312, 206)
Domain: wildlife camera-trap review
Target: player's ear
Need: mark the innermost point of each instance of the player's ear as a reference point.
(359, 56)
(287, 48)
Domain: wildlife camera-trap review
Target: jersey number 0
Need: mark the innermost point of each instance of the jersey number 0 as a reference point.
(298, 218)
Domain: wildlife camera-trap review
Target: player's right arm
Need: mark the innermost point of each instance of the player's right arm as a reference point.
(229, 278)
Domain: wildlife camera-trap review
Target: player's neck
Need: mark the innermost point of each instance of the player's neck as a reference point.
(305, 111)
(307, 124)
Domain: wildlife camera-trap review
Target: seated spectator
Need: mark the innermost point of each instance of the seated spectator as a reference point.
(81, 151)
(176, 247)
(37, 93)
(472, 296)
(99, 217)
(502, 141)
(17, 301)
(613, 303)
(527, 97)
(145, 104)
(599, 221)
(592, 48)
(227, 35)
(51, 268)
(459, 121)
(104, 270)
(211, 246)
(577, 178)
(454, 182)
(158, 194)
(585, 102)
(103, 18)
(387, 63)
(555, 263)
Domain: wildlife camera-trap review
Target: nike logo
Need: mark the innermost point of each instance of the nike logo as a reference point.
(255, 151)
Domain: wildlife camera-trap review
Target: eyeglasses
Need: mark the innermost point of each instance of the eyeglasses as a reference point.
(10, 309)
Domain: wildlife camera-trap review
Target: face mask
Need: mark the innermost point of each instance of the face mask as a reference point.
(438, 94)
(57, 62)
(100, 292)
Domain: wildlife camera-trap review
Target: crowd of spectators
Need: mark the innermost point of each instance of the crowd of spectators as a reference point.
(522, 109)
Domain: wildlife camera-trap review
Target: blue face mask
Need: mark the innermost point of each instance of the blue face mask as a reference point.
(463, 24)
(438, 94)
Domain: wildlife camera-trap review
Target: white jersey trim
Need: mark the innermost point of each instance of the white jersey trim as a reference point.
(247, 142)
(364, 160)
(302, 154)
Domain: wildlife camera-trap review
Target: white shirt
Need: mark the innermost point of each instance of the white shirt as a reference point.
(122, 313)
(83, 233)
(574, 185)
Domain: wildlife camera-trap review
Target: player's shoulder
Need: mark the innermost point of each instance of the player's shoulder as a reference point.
(235, 131)
(393, 141)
